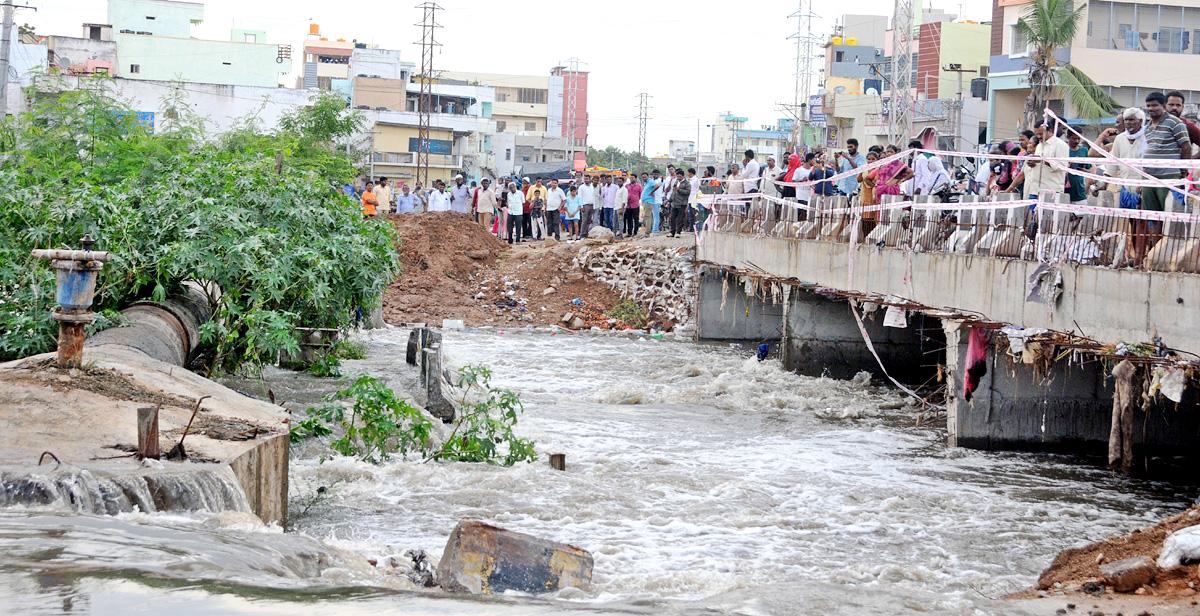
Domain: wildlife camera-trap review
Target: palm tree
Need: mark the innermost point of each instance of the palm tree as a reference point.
(1050, 25)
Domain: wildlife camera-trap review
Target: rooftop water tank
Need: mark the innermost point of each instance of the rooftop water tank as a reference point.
(314, 29)
(837, 40)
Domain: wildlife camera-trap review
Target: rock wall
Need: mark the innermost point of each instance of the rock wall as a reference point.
(661, 279)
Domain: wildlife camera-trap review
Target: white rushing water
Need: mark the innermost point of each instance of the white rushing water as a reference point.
(701, 480)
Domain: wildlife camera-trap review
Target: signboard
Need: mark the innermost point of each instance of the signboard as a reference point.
(436, 146)
(816, 112)
(832, 140)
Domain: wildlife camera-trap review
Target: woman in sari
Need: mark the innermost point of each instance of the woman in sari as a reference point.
(889, 177)
(866, 194)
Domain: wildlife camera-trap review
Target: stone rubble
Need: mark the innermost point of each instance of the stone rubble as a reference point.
(662, 280)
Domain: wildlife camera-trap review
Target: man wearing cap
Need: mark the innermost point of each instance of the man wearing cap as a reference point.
(460, 196)
(485, 203)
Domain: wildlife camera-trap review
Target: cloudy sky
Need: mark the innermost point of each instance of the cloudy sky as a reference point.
(696, 58)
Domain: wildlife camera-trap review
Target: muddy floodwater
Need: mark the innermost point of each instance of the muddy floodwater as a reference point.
(702, 480)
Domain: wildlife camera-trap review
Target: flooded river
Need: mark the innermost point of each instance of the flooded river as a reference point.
(702, 481)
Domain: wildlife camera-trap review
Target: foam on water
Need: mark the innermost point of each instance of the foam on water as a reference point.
(695, 471)
(701, 480)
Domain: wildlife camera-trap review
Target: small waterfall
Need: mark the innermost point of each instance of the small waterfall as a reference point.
(209, 489)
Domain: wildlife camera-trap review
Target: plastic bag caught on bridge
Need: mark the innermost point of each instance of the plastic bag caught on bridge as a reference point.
(1045, 285)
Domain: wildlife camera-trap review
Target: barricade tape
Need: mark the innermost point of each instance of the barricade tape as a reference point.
(1120, 212)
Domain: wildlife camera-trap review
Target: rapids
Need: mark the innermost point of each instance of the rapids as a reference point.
(701, 480)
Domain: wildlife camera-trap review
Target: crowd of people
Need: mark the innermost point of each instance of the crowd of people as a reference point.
(521, 209)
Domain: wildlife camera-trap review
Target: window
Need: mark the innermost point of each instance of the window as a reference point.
(531, 126)
(983, 70)
(135, 68)
(251, 38)
(150, 18)
(531, 95)
(1170, 40)
(838, 56)
(507, 153)
(755, 142)
(1020, 45)
(1124, 39)
(501, 97)
(501, 125)
(525, 159)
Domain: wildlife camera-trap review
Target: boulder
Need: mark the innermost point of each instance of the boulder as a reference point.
(1129, 574)
(601, 233)
(477, 255)
(485, 559)
(548, 291)
(577, 323)
(549, 242)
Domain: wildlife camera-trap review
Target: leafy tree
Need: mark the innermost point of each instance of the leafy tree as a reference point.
(253, 217)
(1051, 25)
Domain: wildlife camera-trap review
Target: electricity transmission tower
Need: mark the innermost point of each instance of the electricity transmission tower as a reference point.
(643, 109)
(900, 114)
(428, 25)
(805, 42)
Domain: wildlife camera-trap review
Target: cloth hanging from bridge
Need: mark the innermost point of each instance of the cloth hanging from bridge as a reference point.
(977, 347)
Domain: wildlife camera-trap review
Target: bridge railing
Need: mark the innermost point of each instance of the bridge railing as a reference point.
(1048, 229)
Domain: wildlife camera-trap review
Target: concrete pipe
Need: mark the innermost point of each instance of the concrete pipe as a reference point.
(168, 331)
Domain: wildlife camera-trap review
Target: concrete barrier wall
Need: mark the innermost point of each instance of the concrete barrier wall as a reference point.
(1104, 304)
(728, 313)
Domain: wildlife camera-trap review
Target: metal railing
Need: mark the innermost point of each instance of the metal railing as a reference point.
(1050, 230)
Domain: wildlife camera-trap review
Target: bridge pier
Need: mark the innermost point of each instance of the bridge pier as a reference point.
(1067, 409)
(821, 337)
(816, 336)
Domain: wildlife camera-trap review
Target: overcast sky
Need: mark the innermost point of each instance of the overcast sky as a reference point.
(695, 58)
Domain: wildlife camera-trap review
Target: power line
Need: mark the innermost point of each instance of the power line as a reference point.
(428, 26)
(643, 109)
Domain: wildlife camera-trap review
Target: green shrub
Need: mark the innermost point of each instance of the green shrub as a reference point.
(254, 217)
(629, 313)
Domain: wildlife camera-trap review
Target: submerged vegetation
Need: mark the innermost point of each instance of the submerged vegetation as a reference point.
(378, 424)
(254, 217)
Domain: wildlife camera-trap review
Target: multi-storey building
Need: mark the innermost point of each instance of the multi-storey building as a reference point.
(1129, 48)
(153, 42)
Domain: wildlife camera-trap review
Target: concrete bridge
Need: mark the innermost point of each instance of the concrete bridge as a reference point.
(773, 273)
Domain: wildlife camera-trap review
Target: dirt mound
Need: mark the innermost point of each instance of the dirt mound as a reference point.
(528, 272)
(440, 254)
(1078, 569)
(452, 268)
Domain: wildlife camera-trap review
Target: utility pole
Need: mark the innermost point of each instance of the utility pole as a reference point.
(956, 116)
(643, 109)
(900, 116)
(429, 26)
(5, 50)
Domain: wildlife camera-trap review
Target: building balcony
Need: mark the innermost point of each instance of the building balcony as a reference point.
(409, 159)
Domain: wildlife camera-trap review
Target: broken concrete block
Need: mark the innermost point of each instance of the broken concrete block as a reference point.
(567, 317)
(1129, 574)
(416, 339)
(548, 291)
(485, 559)
(601, 233)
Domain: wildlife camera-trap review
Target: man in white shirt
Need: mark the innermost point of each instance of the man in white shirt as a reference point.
(1040, 175)
(460, 195)
(516, 211)
(439, 199)
(555, 198)
(619, 203)
(770, 174)
(804, 193)
(587, 195)
(749, 175)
